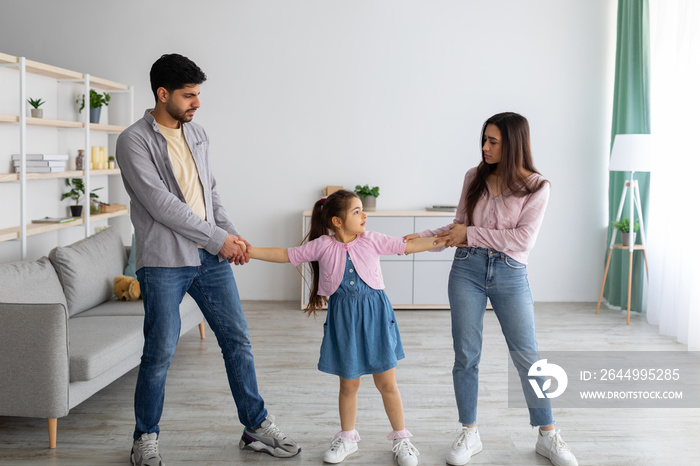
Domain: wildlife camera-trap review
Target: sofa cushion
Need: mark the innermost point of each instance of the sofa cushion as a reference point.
(96, 344)
(30, 282)
(114, 307)
(87, 269)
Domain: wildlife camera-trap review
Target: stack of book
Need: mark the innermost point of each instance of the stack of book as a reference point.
(442, 208)
(41, 163)
(54, 220)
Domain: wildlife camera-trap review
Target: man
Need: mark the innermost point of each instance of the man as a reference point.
(184, 244)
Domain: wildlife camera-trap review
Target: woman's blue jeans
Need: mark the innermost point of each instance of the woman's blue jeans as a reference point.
(214, 289)
(478, 274)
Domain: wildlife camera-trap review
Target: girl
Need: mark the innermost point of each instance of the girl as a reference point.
(498, 217)
(360, 334)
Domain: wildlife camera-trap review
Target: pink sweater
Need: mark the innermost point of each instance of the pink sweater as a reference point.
(364, 253)
(505, 223)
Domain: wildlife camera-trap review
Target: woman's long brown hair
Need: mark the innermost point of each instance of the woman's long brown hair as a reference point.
(335, 205)
(516, 155)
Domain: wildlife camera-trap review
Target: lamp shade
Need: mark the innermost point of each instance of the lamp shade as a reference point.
(631, 153)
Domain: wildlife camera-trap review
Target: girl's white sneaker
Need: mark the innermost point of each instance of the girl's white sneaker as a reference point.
(404, 451)
(339, 450)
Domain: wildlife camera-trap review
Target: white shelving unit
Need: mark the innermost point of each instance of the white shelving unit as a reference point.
(414, 281)
(25, 68)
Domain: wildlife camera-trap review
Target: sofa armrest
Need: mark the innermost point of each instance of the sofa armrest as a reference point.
(34, 360)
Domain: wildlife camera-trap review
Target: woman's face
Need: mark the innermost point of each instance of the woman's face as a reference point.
(491, 145)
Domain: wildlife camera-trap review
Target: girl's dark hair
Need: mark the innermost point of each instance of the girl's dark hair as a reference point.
(515, 156)
(174, 72)
(335, 205)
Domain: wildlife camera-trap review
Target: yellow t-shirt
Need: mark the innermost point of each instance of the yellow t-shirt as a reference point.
(185, 169)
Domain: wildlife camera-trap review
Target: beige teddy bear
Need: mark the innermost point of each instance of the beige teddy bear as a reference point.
(126, 288)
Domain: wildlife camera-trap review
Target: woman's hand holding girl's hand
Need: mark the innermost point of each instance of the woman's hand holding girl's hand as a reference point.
(408, 238)
(455, 236)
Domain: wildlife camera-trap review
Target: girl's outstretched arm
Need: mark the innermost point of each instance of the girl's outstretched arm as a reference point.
(422, 244)
(266, 254)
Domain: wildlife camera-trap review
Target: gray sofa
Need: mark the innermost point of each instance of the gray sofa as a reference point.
(63, 334)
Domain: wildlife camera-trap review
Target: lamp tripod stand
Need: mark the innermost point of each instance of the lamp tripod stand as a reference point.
(633, 186)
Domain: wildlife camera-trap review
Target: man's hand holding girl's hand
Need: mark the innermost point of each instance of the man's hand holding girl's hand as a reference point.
(235, 250)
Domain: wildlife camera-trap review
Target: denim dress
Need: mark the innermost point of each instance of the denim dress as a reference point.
(360, 335)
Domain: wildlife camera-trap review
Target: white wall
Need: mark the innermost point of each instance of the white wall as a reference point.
(302, 94)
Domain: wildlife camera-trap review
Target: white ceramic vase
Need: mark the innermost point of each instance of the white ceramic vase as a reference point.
(628, 239)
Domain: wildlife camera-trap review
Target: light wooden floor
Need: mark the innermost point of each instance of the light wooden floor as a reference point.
(199, 424)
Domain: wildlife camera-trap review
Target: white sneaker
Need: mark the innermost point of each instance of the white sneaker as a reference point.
(404, 451)
(550, 445)
(468, 443)
(339, 450)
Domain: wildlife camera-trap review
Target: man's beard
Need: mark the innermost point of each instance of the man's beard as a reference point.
(178, 115)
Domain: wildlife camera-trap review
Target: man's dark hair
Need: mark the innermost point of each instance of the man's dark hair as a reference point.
(173, 71)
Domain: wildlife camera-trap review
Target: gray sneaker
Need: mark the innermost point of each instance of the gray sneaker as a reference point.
(269, 439)
(145, 451)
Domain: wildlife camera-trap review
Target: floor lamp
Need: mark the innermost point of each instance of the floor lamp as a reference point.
(630, 153)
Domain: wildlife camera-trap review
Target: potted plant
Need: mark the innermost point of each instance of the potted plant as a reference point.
(36, 111)
(628, 238)
(97, 100)
(369, 197)
(77, 191)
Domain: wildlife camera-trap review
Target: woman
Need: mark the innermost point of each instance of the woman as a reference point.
(498, 217)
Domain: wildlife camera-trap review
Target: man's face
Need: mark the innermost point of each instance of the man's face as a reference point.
(182, 103)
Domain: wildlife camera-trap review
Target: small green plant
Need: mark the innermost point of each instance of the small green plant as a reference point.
(36, 103)
(97, 100)
(624, 225)
(364, 191)
(77, 190)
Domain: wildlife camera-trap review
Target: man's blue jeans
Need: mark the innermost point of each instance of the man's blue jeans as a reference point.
(477, 274)
(214, 289)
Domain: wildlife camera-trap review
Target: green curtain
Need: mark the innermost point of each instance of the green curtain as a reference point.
(630, 116)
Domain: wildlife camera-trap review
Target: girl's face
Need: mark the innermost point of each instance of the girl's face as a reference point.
(491, 145)
(355, 218)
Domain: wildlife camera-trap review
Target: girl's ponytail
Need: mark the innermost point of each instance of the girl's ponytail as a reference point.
(316, 230)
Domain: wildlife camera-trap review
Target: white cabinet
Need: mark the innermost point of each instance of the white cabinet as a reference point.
(431, 270)
(29, 196)
(430, 282)
(414, 281)
(398, 282)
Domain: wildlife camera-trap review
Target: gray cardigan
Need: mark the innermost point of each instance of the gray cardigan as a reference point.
(167, 230)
